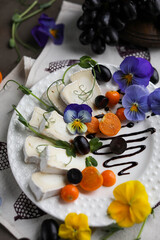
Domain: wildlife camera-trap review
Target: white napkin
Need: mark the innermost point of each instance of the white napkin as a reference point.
(11, 194)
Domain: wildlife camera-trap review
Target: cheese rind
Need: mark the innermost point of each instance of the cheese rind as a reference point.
(33, 146)
(55, 160)
(54, 97)
(45, 185)
(55, 127)
(37, 117)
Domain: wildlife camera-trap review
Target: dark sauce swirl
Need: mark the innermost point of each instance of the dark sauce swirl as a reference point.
(139, 149)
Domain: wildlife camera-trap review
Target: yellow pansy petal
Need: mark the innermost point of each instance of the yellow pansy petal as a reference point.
(84, 234)
(66, 232)
(72, 220)
(140, 209)
(82, 220)
(128, 191)
(120, 212)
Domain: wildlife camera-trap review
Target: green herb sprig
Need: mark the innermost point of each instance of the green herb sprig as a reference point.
(27, 91)
(18, 18)
(70, 150)
(110, 230)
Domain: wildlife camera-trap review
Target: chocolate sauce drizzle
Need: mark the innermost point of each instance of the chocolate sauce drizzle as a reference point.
(139, 149)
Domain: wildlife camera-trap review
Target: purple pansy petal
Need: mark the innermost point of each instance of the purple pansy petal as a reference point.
(118, 78)
(59, 34)
(154, 101)
(135, 92)
(144, 68)
(141, 81)
(134, 116)
(143, 104)
(129, 65)
(84, 116)
(70, 115)
(72, 106)
(39, 35)
(47, 22)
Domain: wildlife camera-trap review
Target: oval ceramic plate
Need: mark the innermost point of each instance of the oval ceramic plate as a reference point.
(93, 204)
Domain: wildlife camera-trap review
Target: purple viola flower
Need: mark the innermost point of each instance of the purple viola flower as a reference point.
(76, 116)
(48, 28)
(133, 71)
(135, 102)
(154, 101)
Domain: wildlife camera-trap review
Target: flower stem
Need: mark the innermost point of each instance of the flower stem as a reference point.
(31, 14)
(67, 71)
(29, 8)
(140, 232)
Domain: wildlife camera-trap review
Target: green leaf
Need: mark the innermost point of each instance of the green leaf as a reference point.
(95, 144)
(93, 161)
(88, 163)
(12, 43)
(25, 90)
(84, 58)
(16, 18)
(110, 230)
(45, 5)
(84, 64)
(22, 120)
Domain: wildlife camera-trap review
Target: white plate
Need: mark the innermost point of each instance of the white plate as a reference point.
(93, 204)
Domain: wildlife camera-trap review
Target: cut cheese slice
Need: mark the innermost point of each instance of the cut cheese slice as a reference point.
(37, 117)
(55, 127)
(53, 96)
(80, 90)
(45, 185)
(33, 146)
(55, 160)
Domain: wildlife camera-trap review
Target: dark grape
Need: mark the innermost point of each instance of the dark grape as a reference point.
(104, 75)
(155, 77)
(93, 4)
(118, 145)
(129, 11)
(74, 176)
(23, 239)
(89, 16)
(80, 24)
(153, 7)
(87, 36)
(101, 101)
(103, 20)
(98, 46)
(117, 23)
(111, 36)
(81, 145)
(49, 230)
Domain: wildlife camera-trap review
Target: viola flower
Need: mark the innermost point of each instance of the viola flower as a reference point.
(48, 28)
(75, 116)
(135, 102)
(75, 227)
(133, 71)
(154, 101)
(130, 205)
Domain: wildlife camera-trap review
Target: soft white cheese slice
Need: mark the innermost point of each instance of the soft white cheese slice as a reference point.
(45, 185)
(55, 127)
(33, 146)
(55, 160)
(81, 83)
(37, 117)
(54, 97)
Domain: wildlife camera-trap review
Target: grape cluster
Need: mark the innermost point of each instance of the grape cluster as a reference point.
(102, 20)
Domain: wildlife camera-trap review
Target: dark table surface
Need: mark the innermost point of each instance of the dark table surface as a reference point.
(8, 56)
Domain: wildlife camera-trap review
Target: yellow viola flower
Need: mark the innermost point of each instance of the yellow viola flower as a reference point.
(75, 227)
(130, 205)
